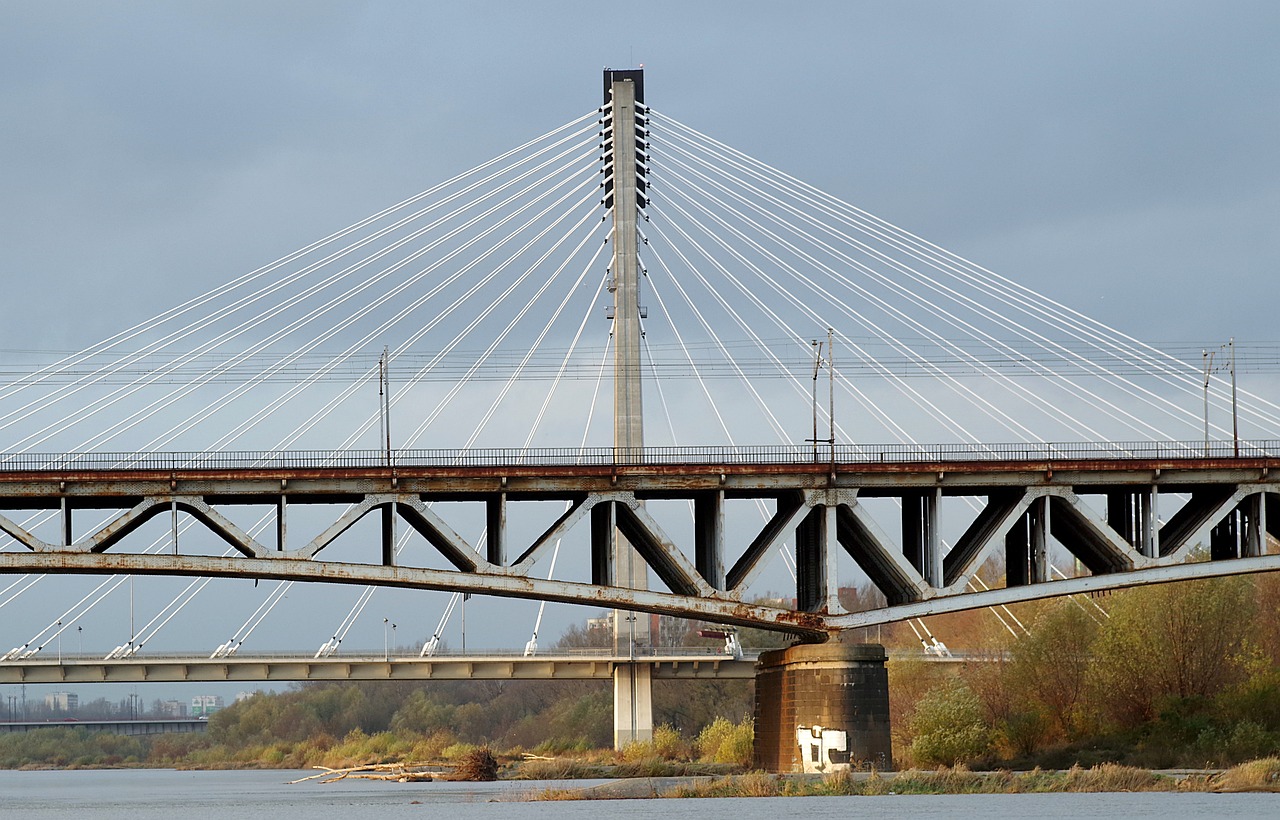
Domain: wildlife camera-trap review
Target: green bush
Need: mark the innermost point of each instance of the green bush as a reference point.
(949, 728)
(726, 742)
(668, 744)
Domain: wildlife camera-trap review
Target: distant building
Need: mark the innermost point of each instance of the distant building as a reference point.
(242, 696)
(173, 708)
(62, 701)
(205, 705)
(599, 623)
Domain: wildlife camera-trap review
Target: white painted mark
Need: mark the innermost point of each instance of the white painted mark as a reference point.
(816, 746)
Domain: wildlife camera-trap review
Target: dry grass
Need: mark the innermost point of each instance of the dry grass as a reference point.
(558, 794)
(1112, 777)
(562, 768)
(954, 780)
(758, 784)
(570, 769)
(753, 784)
(1259, 775)
(1255, 776)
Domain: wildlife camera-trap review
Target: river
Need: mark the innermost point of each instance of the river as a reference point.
(143, 794)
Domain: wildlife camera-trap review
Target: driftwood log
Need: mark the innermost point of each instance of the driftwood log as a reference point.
(398, 772)
(475, 765)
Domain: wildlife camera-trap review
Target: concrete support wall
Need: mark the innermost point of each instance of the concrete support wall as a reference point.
(822, 707)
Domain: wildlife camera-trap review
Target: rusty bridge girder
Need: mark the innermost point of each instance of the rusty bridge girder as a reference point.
(1221, 515)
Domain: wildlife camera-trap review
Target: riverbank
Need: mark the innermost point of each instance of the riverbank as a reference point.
(149, 794)
(1255, 776)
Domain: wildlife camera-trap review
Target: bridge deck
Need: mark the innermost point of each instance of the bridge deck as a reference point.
(280, 667)
(667, 664)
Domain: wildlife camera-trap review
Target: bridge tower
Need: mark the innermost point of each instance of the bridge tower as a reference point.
(624, 195)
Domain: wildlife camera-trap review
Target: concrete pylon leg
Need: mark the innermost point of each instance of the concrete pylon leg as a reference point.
(632, 704)
(822, 707)
(632, 695)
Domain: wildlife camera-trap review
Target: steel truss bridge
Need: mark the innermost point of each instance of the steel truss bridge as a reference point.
(1129, 514)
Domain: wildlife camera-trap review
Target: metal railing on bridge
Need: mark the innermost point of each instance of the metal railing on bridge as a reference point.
(608, 456)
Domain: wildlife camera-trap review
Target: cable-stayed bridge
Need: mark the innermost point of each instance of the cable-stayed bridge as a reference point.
(421, 400)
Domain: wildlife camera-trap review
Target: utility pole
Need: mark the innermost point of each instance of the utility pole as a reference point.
(830, 362)
(817, 366)
(831, 393)
(384, 402)
(1206, 359)
(1235, 416)
(625, 191)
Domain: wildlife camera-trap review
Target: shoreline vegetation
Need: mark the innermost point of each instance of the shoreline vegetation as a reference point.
(1254, 776)
(1179, 676)
(647, 776)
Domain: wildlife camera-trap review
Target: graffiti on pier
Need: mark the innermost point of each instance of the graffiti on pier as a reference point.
(817, 746)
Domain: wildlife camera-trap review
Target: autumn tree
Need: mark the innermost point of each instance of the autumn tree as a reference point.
(1171, 641)
(1049, 668)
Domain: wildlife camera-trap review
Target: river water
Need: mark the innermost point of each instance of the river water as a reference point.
(261, 795)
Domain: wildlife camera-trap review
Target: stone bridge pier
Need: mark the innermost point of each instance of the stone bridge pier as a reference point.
(822, 707)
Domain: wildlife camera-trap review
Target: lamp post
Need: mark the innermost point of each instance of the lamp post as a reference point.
(386, 648)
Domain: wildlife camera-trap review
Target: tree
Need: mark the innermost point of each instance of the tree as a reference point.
(948, 727)
(909, 682)
(1169, 641)
(1049, 668)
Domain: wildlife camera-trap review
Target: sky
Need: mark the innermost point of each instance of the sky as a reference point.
(1120, 158)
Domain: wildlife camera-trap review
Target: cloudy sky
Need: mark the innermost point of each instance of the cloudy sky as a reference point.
(1120, 157)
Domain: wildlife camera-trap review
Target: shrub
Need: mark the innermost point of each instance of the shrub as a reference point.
(476, 764)
(1112, 777)
(725, 742)
(949, 727)
(1257, 775)
(668, 744)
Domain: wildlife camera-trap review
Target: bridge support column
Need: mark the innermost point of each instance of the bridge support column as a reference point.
(1135, 516)
(1224, 538)
(632, 703)
(822, 707)
(920, 541)
(1255, 525)
(1027, 547)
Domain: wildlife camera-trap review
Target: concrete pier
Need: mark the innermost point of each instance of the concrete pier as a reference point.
(822, 707)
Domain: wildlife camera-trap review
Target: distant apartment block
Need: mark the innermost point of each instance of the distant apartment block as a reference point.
(62, 701)
(205, 705)
(173, 708)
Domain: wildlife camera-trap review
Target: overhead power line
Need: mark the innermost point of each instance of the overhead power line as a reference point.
(774, 359)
